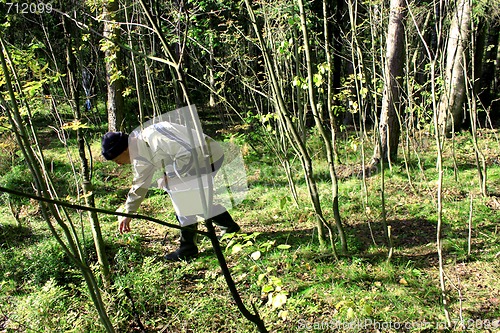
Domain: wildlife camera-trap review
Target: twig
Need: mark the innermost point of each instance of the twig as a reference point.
(93, 209)
(390, 245)
(134, 310)
(253, 317)
(469, 238)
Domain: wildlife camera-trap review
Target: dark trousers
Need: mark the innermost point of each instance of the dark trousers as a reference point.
(188, 233)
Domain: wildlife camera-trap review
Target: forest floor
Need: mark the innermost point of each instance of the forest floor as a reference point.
(276, 260)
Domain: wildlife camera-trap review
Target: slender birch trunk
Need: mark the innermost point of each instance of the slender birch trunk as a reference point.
(451, 104)
(389, 126)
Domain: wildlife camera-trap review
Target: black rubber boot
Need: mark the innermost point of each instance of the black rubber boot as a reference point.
(226, 223)
(187, 249)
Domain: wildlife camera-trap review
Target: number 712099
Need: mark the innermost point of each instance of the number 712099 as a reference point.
(28, 8)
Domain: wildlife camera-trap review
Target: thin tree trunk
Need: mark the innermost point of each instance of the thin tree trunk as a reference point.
(138, 87)
(113, 55)
(332, 85)
(87, 187)
(452, 99)
(319, 126)
(439, 138)
(389, 126)
(471, 93)
(290, 131)
(42, 184)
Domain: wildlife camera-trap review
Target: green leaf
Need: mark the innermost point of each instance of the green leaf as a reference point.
(283, 314)
(275, 281)
(284, 246)
(367, 310)
(318, 79)
(236, 248)
(231, 242)
(31, 87)
(267, 288)
(260, 278)
(74, 125)
(127, 91)
(267, 245)
(364, 92)
(284, 200)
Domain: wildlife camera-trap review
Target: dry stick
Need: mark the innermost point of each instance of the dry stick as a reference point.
(461, 299)
(390, 246)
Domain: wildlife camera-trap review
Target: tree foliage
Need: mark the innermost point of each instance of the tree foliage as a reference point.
(273, 73)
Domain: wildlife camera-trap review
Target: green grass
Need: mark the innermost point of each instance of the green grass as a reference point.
(276, 261)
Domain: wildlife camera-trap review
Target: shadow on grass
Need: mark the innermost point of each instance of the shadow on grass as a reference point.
(17, 236)
(407, 233)
(413, 241)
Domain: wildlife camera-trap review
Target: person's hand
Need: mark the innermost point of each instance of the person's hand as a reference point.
(124, 224)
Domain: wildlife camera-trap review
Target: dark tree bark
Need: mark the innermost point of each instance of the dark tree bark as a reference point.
(489, 69)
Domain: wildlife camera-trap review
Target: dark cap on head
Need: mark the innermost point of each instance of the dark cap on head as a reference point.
(113, 144)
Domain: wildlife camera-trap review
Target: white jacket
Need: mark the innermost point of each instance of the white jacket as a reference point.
(166, 147)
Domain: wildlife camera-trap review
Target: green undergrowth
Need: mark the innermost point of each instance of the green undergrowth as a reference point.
(276, 260)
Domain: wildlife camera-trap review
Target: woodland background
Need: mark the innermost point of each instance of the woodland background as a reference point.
(370, 135)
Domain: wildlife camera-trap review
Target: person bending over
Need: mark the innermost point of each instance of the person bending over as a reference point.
(166, 147)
